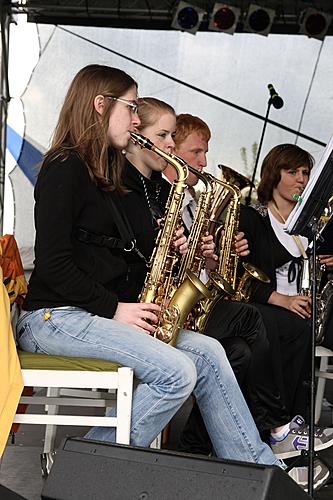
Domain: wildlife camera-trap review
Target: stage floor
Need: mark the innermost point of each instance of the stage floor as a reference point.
(20, 468)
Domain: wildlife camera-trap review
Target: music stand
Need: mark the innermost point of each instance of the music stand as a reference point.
(304, 220)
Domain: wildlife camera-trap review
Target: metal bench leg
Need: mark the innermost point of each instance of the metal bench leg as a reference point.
(320, 388)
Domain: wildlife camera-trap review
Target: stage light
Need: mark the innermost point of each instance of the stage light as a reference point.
(187, 18)
(314, 23)
(224, 18)
(259, 20)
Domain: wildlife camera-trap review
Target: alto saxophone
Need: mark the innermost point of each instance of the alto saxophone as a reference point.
(160, 282)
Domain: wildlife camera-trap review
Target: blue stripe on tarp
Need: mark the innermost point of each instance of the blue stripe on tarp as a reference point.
(26, 155)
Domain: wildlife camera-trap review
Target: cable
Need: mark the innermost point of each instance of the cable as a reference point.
(309, 89)
(192, 87)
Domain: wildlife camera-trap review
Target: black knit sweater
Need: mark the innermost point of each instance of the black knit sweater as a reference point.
(69, 272)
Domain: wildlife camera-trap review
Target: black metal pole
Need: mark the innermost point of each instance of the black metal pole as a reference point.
(5, 14)
(248, 197)
(311, 452)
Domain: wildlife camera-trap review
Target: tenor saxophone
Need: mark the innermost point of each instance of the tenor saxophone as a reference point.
(223, 281)
(160, 283)
(193, 261)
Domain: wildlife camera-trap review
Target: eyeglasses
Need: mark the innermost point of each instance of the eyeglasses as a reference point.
(132, 105)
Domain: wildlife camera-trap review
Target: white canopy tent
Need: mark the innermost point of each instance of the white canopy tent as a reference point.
(221, 78)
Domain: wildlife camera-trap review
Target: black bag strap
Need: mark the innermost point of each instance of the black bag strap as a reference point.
(122, 223)
(126, 242)
(124, 228)
(99, 239)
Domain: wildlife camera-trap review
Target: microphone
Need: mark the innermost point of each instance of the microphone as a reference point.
(275, 99)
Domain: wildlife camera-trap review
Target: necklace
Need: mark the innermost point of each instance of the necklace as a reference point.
(152, 192)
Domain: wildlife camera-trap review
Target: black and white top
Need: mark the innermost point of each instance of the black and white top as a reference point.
(284, 284)
(271, 250)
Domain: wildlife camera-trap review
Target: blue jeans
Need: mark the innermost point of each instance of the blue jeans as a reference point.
(168, 376)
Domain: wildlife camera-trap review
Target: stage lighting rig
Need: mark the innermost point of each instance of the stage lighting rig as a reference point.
(314, 23)
(187, 18)
(259, 20)
(224, 18)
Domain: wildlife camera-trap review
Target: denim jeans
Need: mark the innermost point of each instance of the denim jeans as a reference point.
(168, 376)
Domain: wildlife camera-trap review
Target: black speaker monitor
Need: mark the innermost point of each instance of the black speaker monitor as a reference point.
(93, 470)
(6, 494)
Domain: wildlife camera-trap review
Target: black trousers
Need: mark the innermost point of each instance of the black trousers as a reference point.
(289, 336)
(230, 323)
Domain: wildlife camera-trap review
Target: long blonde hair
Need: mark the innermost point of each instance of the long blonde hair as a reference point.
(81, 129)
(149, 110)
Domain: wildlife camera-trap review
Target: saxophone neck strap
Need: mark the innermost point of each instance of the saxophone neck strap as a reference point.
(296, 237)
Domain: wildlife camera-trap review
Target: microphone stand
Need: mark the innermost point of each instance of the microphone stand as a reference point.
(248, 197)
(311, 453)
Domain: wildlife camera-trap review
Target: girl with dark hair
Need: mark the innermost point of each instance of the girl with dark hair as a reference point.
(284, 175)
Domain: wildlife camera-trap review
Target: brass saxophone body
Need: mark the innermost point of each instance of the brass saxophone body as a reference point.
(228, 258)
(193, 261)
(324, 295)
(219, 283)
(160, 282)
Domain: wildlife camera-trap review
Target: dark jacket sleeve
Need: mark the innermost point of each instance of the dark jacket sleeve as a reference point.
(59, 202)
(257, 232)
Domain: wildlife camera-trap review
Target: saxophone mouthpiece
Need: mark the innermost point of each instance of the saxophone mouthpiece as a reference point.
(140, 140)
(298, 198)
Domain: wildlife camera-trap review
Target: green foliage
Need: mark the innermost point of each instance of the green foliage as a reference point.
(249, 163)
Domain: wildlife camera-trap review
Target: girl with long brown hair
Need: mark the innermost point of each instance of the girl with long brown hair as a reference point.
(74, 305)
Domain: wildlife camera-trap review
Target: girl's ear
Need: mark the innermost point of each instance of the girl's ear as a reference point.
(99, 104)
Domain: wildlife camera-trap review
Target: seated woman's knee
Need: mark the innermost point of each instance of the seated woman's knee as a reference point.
(187, 375)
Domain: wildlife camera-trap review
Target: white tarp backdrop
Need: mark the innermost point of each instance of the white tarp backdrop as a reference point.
(44, 59)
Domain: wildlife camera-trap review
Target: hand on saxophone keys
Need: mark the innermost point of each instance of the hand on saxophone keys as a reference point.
(326, 260)
(208, 251)
(241, 245)
(180, 241)
(139, 314)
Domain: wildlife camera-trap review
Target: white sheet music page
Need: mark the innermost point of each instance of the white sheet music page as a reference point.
(294, 215)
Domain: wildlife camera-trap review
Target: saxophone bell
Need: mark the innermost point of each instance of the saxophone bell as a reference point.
(233, 177)
(190, 292)
(221, 284)
(249, 281)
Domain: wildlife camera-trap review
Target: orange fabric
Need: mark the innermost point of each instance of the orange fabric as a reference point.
(10, 370)
(12, 269)
(16, 287)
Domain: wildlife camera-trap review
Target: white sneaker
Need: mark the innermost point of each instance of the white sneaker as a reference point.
(297, 439)
(320, 476)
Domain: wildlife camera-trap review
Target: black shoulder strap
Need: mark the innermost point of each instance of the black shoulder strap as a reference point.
(122, 223)
(124, 228)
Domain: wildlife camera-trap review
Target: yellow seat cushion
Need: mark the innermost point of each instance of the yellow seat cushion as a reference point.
(36, 361)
